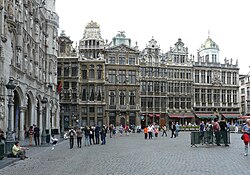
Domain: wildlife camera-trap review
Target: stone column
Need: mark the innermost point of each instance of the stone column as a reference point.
(21, 132)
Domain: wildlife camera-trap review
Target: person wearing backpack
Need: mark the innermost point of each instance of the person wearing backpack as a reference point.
(72, 135)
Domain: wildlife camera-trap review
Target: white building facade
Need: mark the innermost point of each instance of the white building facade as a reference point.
(28, 54)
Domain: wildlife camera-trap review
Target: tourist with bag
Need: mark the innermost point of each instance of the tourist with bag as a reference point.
(246, 135)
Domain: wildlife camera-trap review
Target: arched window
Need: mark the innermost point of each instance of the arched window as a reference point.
(92, 72)
(99, 72)
(112, 98)
(122, 98)
(132, 98)
(84, 72)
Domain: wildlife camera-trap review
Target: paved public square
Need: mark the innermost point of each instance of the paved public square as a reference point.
(135, 155)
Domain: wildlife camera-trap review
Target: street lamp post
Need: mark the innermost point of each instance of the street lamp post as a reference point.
(44, 101)
(9, 142)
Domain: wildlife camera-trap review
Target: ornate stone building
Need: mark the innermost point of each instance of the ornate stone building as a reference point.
(166, 83)
(179, 84)
(82, 71)
(245, 94)
(28, 54)
(216, 85)
(122, 81)
(117, 84)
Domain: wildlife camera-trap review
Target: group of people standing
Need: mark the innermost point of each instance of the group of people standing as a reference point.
(219, 128)
(91, 135)
(153, 130)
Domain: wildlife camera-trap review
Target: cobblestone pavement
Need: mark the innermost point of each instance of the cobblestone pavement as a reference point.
(134, 155)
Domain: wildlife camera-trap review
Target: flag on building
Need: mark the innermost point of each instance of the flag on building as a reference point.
(59, 88)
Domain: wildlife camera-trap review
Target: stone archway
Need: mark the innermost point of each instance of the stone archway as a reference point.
(30, 112)
(17, 124)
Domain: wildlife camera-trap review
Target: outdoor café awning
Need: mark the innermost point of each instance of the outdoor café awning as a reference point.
(151, 115)
(181, 115)
(244, 117)
(206, 116)
(228, 116)
(157, 115)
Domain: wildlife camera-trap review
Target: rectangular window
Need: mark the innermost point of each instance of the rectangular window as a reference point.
(99, 110)
(177, 103)
(203, 95)
(150, 71)
(111, 60)
(91, 109)
(131, 61)
(197, 76)
(156, 72)
(143, 71)
(229, 96)
(235, 96)
(163, 86)
(157, 102)
(143, 86)
(170, 103)
(143, 102)
(216, 94)
(150, 102)
(112, 98)
(209, 75)
(228, 77)
(84, 72)
(66, 69)
(59, 71)
(209, 95)
(223, 77)
(163, 103)
(182, 103)
(223, 96)
(242, 90)
(122, 60)
(132, 77)
(74, 69)
(234, 78)
(84, 110)
(197, 95)
(188, 103)
(150, 86)
(112, 76)
(84, 93)
(74, 85)
(122, 76)
(156, 86)
(203, 76)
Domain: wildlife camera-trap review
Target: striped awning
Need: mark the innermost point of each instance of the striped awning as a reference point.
(228, 116)
(206, 116)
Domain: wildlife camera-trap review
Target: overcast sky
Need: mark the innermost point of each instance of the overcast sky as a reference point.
(165, 20)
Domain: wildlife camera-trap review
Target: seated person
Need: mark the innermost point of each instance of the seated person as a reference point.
(17, 150)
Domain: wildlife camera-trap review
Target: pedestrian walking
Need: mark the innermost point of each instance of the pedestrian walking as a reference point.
(37, 135)
(246, 135)
(127, 130)
(97, 134)
(91, 135)
(150, 132)
(79, 137)
(110, 130)
(145, 132)
(103, 135)
(177, 126)
(216, 129)
(31, 133)
(164, 128)
(86, 135)
(72, 135)
(223, 130)
(173, 129)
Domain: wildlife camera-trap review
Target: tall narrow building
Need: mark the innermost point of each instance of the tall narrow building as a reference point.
(216, 85)
(122, 83)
